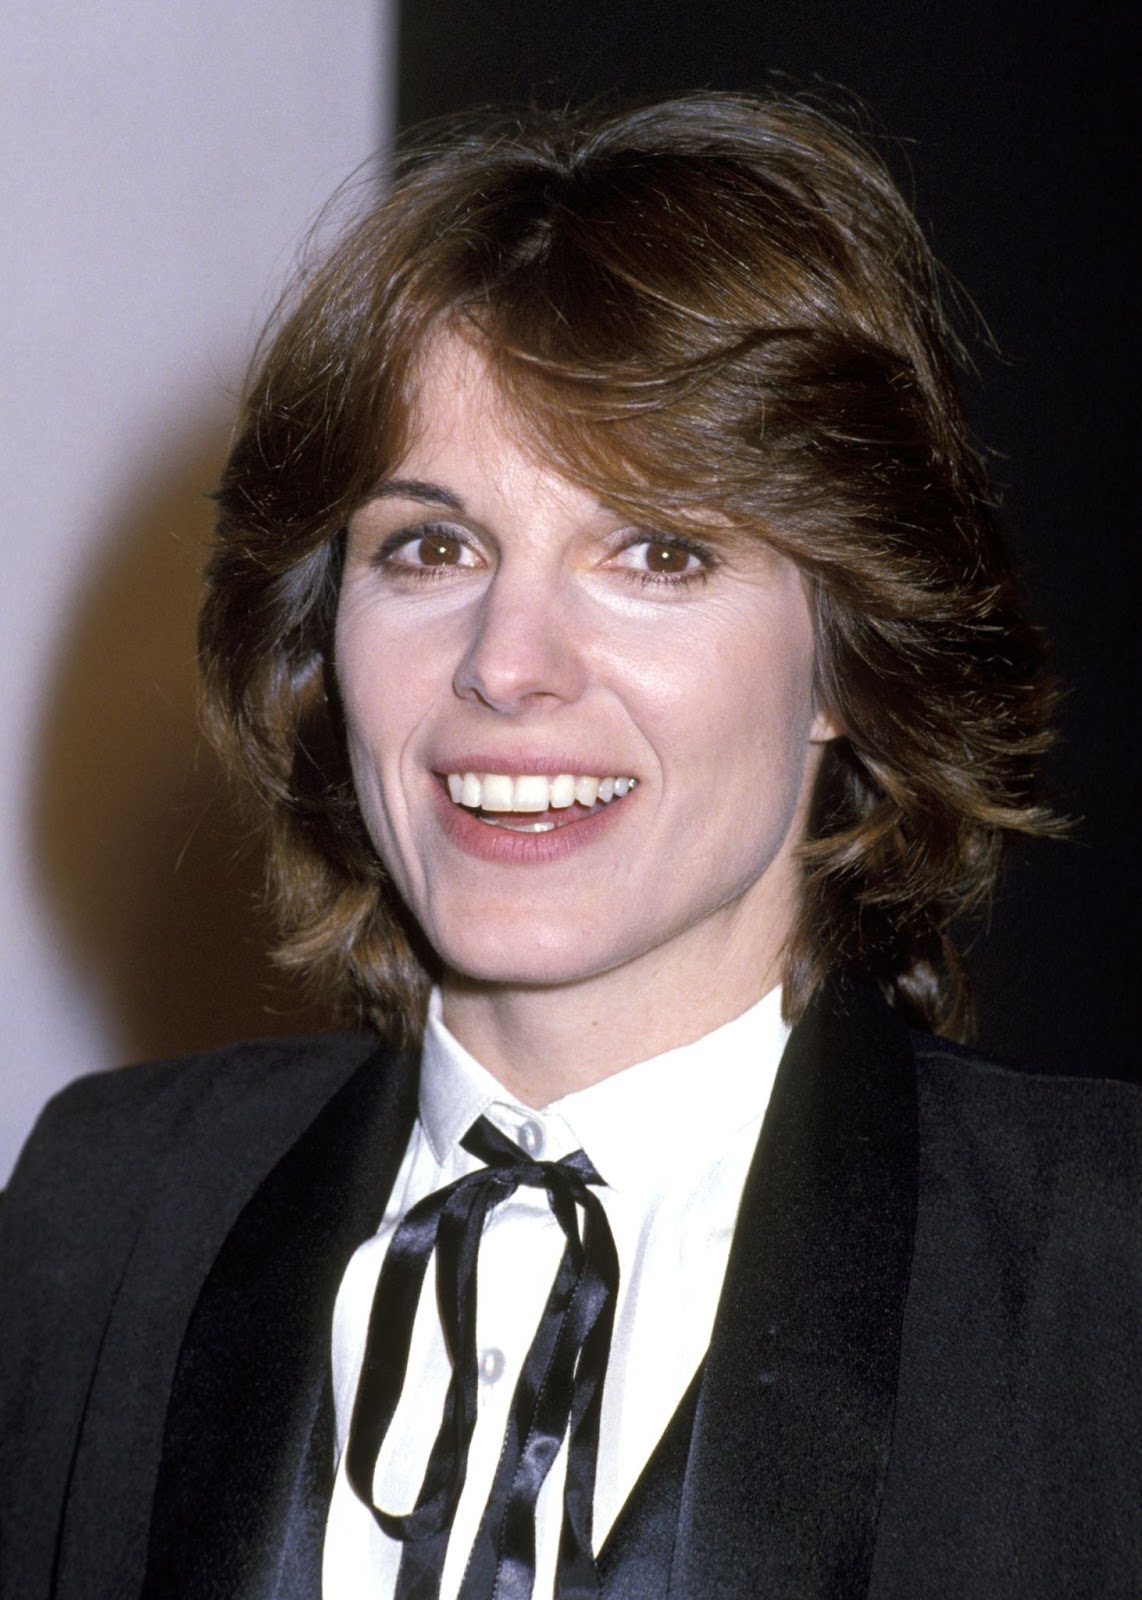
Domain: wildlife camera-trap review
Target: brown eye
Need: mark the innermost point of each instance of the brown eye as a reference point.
(439, 550)
(668, 558)
(665, 558)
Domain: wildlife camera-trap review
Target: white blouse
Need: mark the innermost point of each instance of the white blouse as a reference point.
(672, 1139)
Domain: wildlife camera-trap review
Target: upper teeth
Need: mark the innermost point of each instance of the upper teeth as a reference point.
(496, 791)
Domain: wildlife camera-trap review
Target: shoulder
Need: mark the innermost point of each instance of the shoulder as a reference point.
(1016, 1441)
(162, 1096)
(141, 1110)
(119, 1206)
(111, 1140)
(188, 1141)
(1030, 1195)
(1046, 1131)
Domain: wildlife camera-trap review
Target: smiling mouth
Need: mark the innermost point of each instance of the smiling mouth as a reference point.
(531, 802)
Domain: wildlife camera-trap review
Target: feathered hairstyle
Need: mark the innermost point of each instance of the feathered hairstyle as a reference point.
(718, 303)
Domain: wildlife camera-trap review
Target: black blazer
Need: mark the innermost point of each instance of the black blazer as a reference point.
(924, 1377)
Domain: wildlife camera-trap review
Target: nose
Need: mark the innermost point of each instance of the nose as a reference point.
(523, 649)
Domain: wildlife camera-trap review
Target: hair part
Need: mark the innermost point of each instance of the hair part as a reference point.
(718, 306)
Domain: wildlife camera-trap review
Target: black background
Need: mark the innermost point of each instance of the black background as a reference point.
(1011, 130)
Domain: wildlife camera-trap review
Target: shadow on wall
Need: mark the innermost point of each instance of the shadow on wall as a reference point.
(151, 875)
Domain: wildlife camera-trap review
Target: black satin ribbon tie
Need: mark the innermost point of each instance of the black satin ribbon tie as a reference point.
(560, 1388)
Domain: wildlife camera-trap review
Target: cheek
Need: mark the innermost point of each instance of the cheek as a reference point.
(377, 674)
(742, 696)
(374, 697)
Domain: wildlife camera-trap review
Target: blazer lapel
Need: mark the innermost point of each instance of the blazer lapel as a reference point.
(794, 1418)
(248, 1449)
(638, 1553)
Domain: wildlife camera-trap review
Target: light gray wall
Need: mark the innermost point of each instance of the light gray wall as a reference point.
(161, 164)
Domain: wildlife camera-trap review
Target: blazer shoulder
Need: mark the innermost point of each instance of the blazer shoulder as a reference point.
(127, 1106)
(1042, 1169)
(992, 1101)
(994, 1097)
(928, 1048)
(1016, 1453)
(110, 1139)
(124, 1196)
(190, 1138)
(156, 1090)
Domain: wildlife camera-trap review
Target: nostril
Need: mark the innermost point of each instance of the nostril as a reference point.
(520, 656)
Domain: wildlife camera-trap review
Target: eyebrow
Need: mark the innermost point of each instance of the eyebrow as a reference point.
(429, 493)
(416, 489)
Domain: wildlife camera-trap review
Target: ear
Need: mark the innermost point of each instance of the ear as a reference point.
(825, 727)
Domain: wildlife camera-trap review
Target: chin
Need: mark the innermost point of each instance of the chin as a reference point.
(531, 955)
(512, 968)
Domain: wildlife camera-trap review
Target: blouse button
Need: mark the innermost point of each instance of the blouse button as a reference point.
(531, 1138)
(491, 1365)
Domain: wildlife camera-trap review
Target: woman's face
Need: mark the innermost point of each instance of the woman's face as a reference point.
(506, 645)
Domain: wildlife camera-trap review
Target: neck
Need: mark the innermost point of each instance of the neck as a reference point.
(545, 1041)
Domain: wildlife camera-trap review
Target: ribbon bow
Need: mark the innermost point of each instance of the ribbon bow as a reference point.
(560, 1386)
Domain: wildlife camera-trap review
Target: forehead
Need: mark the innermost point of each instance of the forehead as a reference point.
(454, 394)
(463, 433)
(467, 434)
(498, 422)
(466, 416)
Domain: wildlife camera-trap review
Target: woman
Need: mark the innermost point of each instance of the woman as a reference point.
(608, 606)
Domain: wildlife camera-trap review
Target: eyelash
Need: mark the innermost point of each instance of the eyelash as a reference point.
(411, 536)
(708, 561)
(672, 541)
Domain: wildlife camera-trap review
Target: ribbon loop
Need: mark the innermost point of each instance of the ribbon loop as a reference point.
(559, 1391)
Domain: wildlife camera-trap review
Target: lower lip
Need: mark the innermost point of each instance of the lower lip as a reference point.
(503, 845)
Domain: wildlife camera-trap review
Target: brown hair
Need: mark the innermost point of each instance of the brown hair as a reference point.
(718, 304)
